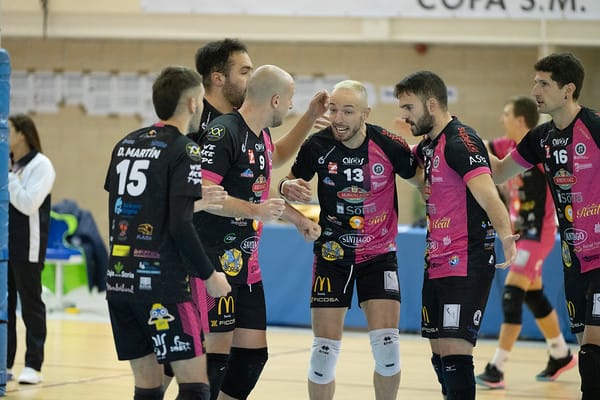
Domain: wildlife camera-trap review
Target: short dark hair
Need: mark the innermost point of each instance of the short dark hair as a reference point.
(214, 57)
(169, 86)
(424, 84)
(24, 124)
(564, 68)
(525, 107)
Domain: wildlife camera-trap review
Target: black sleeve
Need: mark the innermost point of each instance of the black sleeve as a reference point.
(181, 228)
(304, 165)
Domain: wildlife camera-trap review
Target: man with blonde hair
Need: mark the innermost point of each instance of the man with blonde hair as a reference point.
(356, 164)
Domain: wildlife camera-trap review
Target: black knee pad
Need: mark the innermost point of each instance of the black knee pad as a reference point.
(512, 304)
(148, 394)
(436, 361)
(245, 367)
(193, 391)
(216, 364)
(538, 303)
(459, 377)
(589, 365)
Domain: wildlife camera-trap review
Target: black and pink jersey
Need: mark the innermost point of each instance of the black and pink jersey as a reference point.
(208, 114)
(148, 168)
(458, 229)
(357, 192)
(236, 158)
(570, 157)
(530, 205)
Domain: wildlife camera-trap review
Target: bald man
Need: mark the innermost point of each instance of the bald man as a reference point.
(238, 154)
(356, 164)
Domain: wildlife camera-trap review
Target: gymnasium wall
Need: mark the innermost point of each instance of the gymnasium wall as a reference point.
(80, 145)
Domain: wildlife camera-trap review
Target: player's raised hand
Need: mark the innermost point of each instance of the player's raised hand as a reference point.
(319, 104)
(322, 122)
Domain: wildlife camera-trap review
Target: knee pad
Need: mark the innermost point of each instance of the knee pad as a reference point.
(385, 346)
(243, 371)
(216, 366)
(193, 391)
(148, 394)
(538, 303)
(323, 360)
(589, 365)
(436, 361)
(512, 304)
(459, 377)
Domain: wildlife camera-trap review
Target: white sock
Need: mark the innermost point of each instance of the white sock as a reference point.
(500, 358)
(558, 347)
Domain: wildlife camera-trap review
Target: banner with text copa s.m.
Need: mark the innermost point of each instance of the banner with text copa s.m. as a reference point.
(482, 9)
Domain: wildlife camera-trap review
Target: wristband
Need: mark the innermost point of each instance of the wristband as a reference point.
(284, 180)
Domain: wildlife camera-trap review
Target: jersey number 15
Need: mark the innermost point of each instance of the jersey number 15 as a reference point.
(132, 179)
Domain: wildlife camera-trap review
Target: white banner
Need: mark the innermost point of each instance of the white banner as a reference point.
(482, 9)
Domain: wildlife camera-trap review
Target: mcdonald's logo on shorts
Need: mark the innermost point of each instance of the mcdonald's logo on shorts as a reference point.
(226, 304)
(425, 314)
(320, 282)
(571, 308)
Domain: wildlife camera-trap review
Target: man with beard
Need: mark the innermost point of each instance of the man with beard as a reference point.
(569, 148)
(238, 154)
(464, 215)
(153, 179)
(356, 164)
(532, 212)
(225, 67)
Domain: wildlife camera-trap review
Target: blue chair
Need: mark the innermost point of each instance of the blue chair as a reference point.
(61, 254)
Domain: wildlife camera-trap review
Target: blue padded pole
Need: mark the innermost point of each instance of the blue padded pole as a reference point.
(4, 202)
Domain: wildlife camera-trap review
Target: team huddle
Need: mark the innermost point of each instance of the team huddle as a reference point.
(188, 197)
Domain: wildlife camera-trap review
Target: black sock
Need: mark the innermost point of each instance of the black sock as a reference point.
(589, 365)
(193, 391)
(436, 361)
(148, 394)
(217, 367)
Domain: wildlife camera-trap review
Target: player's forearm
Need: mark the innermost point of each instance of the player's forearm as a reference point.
(292, 215)
(499, 217)
(237, 208)
(504, 169)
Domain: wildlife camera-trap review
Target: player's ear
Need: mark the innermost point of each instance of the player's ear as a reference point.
(367, 111)
(192, 104)
(275, 100)
(217, 78)
(570, 89)
(431, 104)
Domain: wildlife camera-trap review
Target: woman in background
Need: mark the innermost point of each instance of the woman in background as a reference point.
(30, 181)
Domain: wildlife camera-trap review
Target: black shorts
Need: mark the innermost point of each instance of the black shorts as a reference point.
(453, 307)
(333, 284)
(582, 292)
(171, 331)
(243, 307)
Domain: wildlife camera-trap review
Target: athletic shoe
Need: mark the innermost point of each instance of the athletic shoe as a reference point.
(30, 376)
(557, 366)
(9, 375)
(491, 377)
